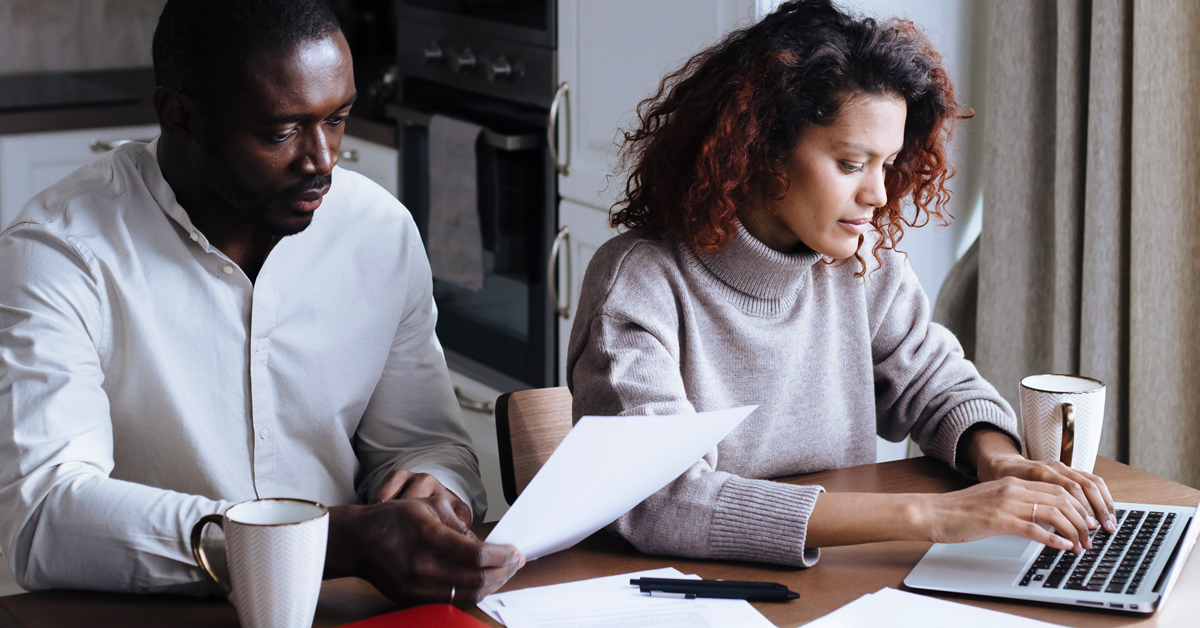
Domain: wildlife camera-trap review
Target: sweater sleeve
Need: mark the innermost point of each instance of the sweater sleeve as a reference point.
(618, 367)
(924, 386)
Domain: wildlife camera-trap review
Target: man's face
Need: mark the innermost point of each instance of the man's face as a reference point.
(270, 142)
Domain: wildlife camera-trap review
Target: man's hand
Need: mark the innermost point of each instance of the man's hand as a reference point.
(402, 484)
(416, 551)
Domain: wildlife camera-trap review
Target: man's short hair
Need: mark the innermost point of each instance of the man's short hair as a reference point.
(200, 39)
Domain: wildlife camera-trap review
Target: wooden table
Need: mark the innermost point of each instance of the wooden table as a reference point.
(843, 574)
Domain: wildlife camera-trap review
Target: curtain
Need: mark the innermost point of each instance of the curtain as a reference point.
(1089, 257)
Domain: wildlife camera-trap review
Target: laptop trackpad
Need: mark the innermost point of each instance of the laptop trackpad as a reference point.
(987, 565)
(995, 547)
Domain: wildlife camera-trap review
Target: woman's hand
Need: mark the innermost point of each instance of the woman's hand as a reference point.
(1088, 490)
(994, 455)
(1006, 506)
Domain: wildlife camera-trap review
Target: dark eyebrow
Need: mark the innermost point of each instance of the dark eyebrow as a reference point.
(862, 149)
(299, 117)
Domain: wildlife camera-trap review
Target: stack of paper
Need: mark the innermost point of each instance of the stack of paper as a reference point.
(614, 603)
(898, 609)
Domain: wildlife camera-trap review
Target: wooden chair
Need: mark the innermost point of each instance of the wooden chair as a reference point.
(529, 426)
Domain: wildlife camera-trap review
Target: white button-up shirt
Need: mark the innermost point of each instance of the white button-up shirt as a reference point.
(146, 382)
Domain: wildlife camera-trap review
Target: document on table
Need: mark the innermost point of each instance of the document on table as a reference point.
(602, 469)
(612, 602)
(899, 609)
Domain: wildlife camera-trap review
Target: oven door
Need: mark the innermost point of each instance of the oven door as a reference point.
(529, 21)
(505, 333)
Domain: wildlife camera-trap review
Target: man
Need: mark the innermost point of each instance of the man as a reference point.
(222, 315)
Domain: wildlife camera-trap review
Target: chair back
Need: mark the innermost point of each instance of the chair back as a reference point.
(529, 426)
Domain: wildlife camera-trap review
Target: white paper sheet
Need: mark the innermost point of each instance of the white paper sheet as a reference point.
(612, 601)
(602, 589)
(900, 609)
(602, 469)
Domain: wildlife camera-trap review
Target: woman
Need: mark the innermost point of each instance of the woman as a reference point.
(770, 180)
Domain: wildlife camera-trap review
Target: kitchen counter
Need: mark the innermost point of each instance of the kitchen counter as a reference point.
(138, 83)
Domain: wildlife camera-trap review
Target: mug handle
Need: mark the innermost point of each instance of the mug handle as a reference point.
(198, 550)
(1068, 434)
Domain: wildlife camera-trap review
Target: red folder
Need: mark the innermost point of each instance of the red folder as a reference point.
(430, 616)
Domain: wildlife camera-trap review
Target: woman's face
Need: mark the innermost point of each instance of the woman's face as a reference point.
(836, 174)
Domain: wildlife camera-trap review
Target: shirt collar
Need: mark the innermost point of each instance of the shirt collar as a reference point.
(162, 192)
(755, 269)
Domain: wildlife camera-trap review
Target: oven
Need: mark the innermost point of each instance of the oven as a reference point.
(489, 63)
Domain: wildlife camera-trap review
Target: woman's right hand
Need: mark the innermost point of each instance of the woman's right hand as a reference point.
(1006, 506)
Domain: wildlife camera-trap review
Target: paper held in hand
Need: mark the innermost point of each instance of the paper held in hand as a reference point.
(602, 469)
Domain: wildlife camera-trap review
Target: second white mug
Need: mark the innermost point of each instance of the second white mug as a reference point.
(1062, 417)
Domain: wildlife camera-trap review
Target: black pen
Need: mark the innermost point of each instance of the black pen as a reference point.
(726, 589)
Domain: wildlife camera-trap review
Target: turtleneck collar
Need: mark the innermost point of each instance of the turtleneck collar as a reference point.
(756, 270)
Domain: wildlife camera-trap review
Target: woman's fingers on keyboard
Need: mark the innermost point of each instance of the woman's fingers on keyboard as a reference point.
(1060, 518)
(1060, 499)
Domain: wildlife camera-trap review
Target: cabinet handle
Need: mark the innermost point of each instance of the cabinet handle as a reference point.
(349, 155)
(564, 95)
(468, 403)
(102, 146)
(564, 235)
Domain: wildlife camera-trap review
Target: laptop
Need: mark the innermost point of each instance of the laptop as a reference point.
(1132, 570)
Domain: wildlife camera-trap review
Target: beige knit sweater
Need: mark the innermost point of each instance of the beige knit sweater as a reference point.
(831, 360)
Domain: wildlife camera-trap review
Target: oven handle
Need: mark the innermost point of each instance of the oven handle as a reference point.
(499, 141)
(564, 235)
(562, 95)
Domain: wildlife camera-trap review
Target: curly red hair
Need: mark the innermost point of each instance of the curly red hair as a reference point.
(712, 138)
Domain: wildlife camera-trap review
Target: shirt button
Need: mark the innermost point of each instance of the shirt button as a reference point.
(264, 433)
(228, 269)
(195, 237)
(262, 345)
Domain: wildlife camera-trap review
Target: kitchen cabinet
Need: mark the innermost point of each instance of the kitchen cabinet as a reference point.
(31, 162)
(588, 228)
(478, 404)
(377, 162)
(612, 54)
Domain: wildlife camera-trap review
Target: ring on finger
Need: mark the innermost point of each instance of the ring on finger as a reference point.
(1033, 515)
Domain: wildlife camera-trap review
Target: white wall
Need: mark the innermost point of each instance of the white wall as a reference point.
(957, 30)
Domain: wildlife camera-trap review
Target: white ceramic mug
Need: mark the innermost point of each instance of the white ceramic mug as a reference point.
(275, 549)
(1061, 418)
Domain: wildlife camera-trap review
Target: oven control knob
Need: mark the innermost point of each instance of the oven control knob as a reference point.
(463, 62)
(433, 54)
(499, 70)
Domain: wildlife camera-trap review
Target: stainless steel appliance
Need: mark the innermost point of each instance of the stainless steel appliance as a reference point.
(491, 63)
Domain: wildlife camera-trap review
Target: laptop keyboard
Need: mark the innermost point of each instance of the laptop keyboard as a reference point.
(1117, 563)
